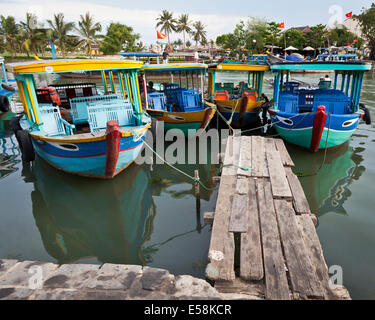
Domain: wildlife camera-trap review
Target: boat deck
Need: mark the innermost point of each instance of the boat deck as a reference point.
(263, 240)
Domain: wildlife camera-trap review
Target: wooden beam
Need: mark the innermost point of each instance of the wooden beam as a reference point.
(301, 273)
(274, 267)
(279, 182)
(251, 260)
(221, 252)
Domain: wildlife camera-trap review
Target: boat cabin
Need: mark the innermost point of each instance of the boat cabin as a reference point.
(251, 83)
(181, 91)
(339, 95)
(70, 109)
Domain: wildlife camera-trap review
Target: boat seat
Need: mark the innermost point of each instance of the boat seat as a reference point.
(221, 95)
(157, 101)
(288, 102)
(53, 124)
(99, 115)
(79, 105)
(335, 101)
(190, 100)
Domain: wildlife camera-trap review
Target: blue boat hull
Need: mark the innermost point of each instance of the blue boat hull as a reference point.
(298, 128)
(88, 158)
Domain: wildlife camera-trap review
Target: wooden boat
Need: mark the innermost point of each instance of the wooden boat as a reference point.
(319, 118)
(239, 104)
(7, 88)
(74, 128)
(179, 106)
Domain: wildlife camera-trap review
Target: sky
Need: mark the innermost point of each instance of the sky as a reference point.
(218, 16)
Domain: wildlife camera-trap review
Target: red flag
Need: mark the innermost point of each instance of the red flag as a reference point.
(349, 15)
(160, 35)
(281, 25)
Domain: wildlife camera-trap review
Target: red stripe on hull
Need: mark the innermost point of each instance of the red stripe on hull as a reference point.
(318, 127)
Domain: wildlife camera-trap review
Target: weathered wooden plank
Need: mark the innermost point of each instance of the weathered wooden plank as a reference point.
(315, 252)
(242, 185)
(274, 267)
(258, 157)
(232, 156)
(299, 199)
(279, 182)
(245, 156)
(301, 272)
(284, 154)
(251, 260)
(221, 252)
(238, 217)
(208, 217)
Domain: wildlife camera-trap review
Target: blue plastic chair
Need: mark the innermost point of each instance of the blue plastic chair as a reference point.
(53, 124)
(190, 100)
(156, 101)
(99, 115)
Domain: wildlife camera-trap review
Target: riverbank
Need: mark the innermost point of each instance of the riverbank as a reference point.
(34, 280)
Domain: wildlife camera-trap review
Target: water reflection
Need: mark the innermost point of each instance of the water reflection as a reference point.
(81, 218)
(329, 188)
(9, 150)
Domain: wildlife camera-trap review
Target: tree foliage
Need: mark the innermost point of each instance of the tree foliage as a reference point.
(367, 22)
(120, 37)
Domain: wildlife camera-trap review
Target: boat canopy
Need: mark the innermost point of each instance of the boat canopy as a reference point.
(348, 77)
(71, 65)
(322, 65)
(169, 67)
(233, 66)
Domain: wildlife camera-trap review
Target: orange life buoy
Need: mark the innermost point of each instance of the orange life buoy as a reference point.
(54, 95)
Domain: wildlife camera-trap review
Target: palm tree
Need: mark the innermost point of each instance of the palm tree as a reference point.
(32, 33)
(199, 34)
(184, 25)
(88, 30)
(9, 29)
(60, 30)
(167, 23)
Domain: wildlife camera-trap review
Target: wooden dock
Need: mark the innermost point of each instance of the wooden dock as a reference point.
(264, 241)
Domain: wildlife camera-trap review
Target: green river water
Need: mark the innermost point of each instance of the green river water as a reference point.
(147, 215)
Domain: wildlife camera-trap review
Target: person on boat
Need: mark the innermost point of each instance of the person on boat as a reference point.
(165, 55)
(150, 87)
(196, 56)
(325, 82)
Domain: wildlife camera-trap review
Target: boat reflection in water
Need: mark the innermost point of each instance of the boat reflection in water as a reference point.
(113, 221)
(329, 188)
(81, 218)
(9, 150)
